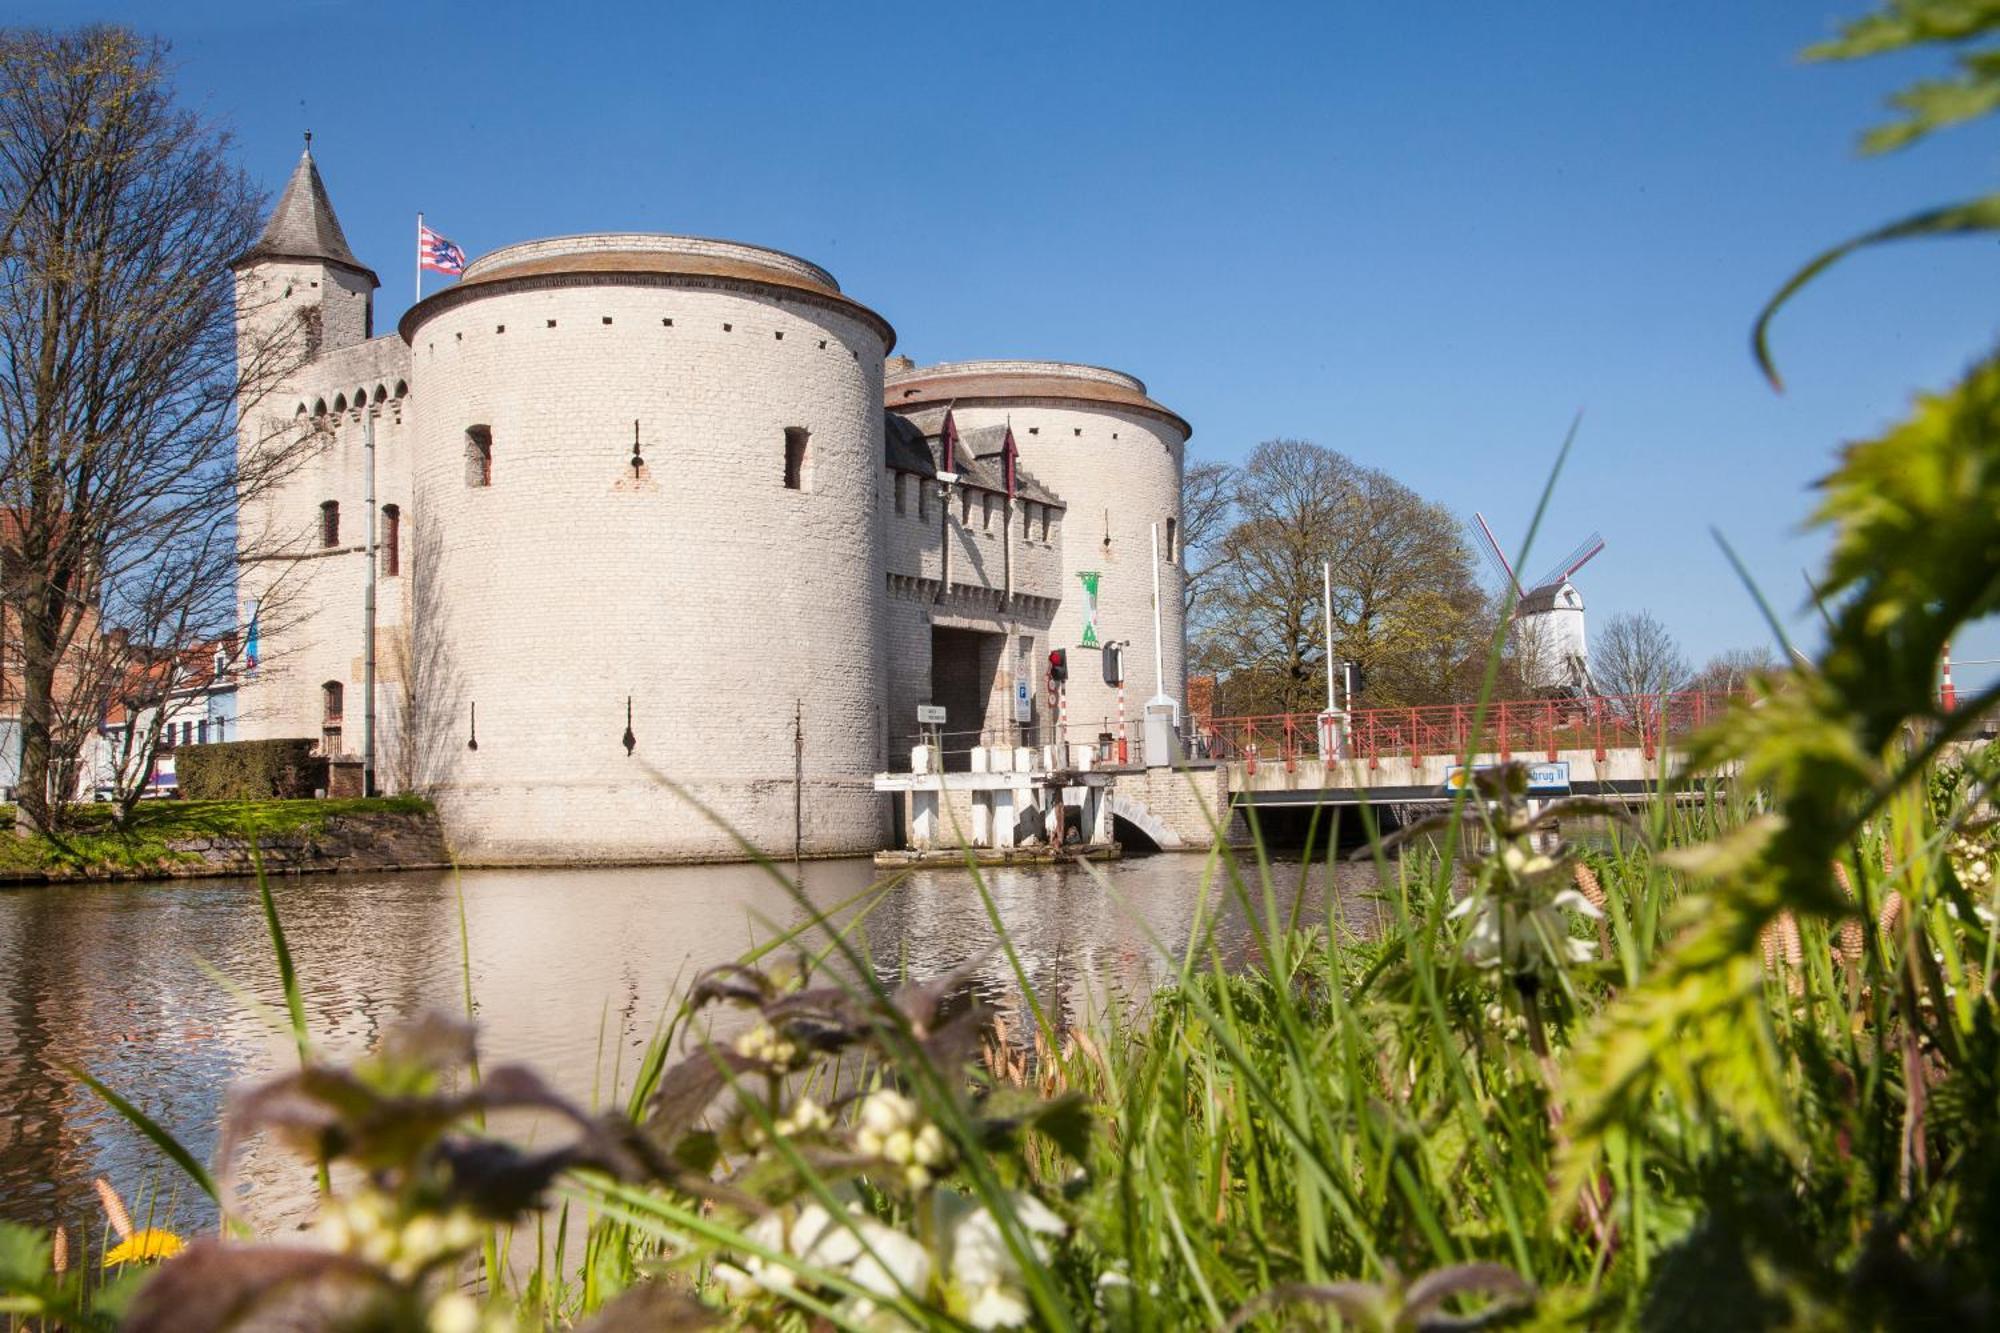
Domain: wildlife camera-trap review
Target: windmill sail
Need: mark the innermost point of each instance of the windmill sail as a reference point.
(1586, 551)
(1495, 556)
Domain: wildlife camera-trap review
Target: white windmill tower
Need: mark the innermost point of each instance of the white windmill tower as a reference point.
(1548, 619)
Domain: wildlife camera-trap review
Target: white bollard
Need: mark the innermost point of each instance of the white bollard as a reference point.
(921, 758)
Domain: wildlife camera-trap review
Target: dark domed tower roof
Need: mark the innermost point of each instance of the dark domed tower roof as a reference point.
(303, 226)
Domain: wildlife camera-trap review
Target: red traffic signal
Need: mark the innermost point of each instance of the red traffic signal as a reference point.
(1059, 665)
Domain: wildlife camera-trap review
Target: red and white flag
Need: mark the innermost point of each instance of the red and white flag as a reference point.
(436, 253)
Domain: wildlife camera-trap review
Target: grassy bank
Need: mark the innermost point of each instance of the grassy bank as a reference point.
(1564, 1089)
(156, 836)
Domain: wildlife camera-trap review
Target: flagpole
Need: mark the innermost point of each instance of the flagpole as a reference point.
(420, 257)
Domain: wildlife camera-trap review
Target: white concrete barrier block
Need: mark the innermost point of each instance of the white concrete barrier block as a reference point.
(923, 819)
(1024, 760)
(1005, 816)
(980, 756)
(921, 758)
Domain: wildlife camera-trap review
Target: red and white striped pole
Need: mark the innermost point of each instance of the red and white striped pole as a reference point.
(1947, 692)
(1121, 718)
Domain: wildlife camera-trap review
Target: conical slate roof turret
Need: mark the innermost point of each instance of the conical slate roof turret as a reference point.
(303, 226)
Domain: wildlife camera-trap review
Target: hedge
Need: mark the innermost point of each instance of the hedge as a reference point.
(250, 770)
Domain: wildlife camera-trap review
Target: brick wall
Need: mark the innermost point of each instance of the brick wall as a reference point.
(699, 587)
(1119, 471)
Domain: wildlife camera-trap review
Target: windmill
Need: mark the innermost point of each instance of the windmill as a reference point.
(1548, 618)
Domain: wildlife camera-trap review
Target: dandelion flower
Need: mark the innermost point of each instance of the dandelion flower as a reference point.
(144, 1246)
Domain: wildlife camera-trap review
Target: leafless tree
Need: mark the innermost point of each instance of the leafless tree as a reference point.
(1634, 654)
(1208, 497)
(1730, 670)
(120, 375)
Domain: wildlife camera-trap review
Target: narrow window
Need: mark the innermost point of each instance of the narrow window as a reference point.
(795, 458)
(332, 699)
(201, 732)
(965, 506)
(329, 523)
(392, 541)
(1027, 520)
(923, 501)
(900, 479)
(1047, 510)
(1173, 534)
(478, 455)
(985, 513)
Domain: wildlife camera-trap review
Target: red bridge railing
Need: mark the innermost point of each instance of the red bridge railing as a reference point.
(1527, 729)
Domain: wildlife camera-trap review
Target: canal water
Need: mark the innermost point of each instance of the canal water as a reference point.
(157, 988)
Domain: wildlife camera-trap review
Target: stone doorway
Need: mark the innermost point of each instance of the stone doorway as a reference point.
(965, 672)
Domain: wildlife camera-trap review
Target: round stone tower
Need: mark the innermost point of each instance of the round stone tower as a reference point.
(1096, 439)
(645, 543)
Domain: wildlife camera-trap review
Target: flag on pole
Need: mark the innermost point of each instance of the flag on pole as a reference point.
(437, 254)
(1089, 577)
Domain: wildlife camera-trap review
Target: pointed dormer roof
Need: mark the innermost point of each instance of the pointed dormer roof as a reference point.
(303, 226)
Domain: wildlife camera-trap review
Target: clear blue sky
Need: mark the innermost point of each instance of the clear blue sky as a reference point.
(1424, 234)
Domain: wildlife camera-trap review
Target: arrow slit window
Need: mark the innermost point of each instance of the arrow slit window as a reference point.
(478, 455)
(796, 458)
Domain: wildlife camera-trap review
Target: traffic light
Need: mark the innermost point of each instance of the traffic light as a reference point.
(1353, 678)
(1059, 665)
(1114, 665)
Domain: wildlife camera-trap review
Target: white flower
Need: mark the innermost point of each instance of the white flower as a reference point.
(892, 1127)
(764, 1045)
(768, 1232)
(885, 1111)
(892, 1262)
(984, 1271)
(806, 1117)
(998, 1307)
(1577, 903)
(454, 1312)
(1522, 864)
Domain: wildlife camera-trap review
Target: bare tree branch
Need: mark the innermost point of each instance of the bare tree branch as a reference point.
(121, 378)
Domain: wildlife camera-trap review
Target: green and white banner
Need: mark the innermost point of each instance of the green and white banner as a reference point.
(1089, 577)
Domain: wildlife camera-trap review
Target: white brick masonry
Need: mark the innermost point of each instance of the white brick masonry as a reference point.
(1119, 469)
(699, 587)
